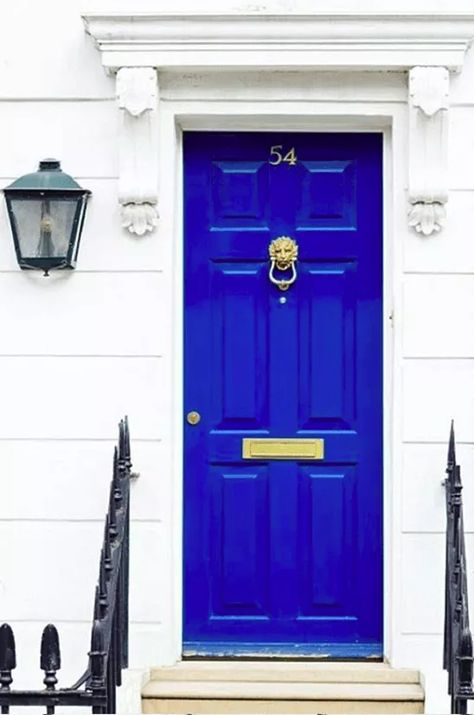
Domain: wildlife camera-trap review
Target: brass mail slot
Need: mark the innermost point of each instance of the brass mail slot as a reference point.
(282, 448)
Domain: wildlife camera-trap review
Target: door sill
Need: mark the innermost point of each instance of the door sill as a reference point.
(282, 651)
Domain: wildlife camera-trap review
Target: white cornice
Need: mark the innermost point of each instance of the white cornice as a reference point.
(374, 41)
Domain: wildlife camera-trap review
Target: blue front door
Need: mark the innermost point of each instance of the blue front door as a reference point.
(283, 540)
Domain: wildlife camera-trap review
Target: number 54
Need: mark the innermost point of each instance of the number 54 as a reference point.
(277, 156)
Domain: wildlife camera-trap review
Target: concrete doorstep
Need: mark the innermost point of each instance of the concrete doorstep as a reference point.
(214, 688)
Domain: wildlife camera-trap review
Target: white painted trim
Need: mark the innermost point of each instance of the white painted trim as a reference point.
(236, 115)
(349, 41)
(137, 98)
(136, 44)
(129, 695)
(428, 105)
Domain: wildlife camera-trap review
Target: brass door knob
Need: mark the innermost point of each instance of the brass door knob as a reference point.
(193, 417)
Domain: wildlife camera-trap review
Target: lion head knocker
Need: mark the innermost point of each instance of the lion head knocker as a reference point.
(283, 252)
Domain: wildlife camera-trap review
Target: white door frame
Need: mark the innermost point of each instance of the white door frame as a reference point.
(176, 117)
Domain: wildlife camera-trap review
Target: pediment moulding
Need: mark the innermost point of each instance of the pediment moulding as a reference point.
(369, 41)
(136, 46)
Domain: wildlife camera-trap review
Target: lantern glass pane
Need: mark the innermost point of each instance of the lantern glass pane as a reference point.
(44, 226)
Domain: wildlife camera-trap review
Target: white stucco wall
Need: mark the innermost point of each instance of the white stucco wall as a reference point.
(77, 351)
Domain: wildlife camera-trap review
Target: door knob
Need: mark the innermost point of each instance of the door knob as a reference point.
(193, 417)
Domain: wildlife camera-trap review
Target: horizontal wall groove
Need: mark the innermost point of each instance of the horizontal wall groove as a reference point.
(71, 520)
(433, 532)
(78, 177)
(441, 358)
(45, 100)
(101, 271)
(58, 624)
(450, 273)
(457, 189)
(437, 442)
(113, 439)
(75, 356)
(427, 634)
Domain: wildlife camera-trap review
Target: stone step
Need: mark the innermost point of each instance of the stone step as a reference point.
(189, 706)
(281, 688)
(236, 690)
(292, 671)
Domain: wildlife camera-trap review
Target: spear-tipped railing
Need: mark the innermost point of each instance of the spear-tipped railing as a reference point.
(458, 654)
(108, 655)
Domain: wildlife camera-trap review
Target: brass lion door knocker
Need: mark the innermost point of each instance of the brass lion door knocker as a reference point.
(283, 252)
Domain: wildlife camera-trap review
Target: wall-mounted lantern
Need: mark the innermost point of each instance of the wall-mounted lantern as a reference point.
(46, 211)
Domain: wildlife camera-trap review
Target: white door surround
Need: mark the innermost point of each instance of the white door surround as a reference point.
(183, 72)
(137, 46)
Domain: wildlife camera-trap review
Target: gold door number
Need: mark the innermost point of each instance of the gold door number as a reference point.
(278, 155)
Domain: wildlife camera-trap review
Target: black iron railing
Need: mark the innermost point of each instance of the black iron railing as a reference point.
(458, 655)
(108, 655)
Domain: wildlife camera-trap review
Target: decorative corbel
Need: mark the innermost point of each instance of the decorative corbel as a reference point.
(428, 139)
(137, 96)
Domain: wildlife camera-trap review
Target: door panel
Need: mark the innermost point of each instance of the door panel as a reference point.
(328, 195)
(239, 541)
(326, 340)
(327, 540)
(283, 556)
(239, 340)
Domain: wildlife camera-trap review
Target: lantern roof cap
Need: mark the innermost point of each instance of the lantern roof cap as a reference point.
(48, 177)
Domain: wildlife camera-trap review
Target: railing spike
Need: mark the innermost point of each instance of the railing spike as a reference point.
(106, 550)
(7, 661)
(122, 462)
(112, 516)
(121, 440)
(116, 481)
(127, 442)
(451, 450)
(50, 660)
(7, 648)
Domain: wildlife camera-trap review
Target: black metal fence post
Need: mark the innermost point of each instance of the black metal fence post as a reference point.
(7, 660)
(108, 655)
(458, 657)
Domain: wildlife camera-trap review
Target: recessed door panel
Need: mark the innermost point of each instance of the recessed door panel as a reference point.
(239, 543)
(327, 342)
(239, 351)
(328, 541)
(239, 193)
(328, 197)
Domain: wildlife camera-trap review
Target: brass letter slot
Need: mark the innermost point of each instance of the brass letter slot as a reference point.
(282, 448)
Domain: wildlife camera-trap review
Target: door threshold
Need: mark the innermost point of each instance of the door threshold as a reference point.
(283, 651)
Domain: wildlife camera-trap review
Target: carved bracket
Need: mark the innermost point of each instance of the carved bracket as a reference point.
(428, 138)
(137, 96)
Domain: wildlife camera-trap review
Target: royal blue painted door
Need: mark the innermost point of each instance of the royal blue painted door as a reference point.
(283, 556)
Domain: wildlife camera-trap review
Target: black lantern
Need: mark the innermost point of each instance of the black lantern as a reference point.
(46, 211)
